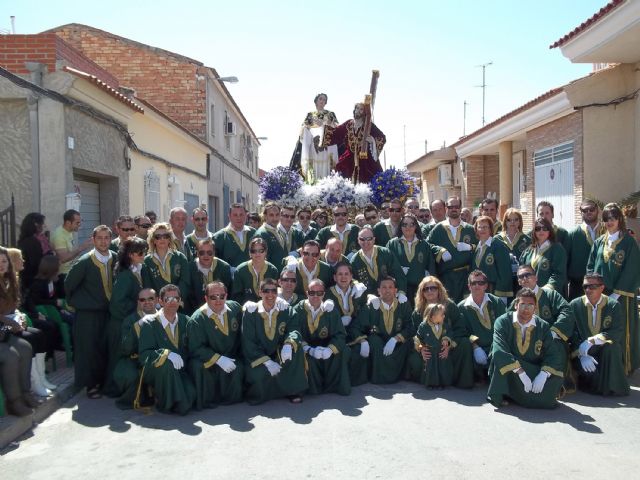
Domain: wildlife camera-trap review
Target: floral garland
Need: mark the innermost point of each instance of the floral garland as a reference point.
(393, 183)
(280, 185)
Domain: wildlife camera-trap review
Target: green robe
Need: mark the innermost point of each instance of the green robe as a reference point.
(381, 325)
(326, 330)
(494, 261)
(176, 272)
(384, 232)
(209, 338)
(520, 243)
(173, 389)
(278, 247)
(349, 238)
(220, 271)
(538, 352)
(263, 340)
(384, 263)
(608, 326)
(229, 247)
(419, 259)
(579, 244)
(453, 273)
(126, 373)
(294, 300)
(479, 326)
(550, 265)
(436, 372)
(322, 272)
(553, 309)
(191, 245)
(310, 234)
(619, 267)
(88, 287)
(246, 284)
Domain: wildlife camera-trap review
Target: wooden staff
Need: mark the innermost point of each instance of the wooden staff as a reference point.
(369, 101)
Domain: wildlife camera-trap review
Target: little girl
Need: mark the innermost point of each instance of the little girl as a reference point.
(433, 344)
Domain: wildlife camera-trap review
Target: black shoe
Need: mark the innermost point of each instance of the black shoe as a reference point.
(18, 408)
(31, 400)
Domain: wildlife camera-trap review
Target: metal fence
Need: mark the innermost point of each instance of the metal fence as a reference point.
(8, 225)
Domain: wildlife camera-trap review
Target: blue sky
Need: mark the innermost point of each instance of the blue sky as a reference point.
(284, 52)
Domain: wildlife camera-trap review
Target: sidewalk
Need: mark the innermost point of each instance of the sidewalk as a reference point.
(12, 428)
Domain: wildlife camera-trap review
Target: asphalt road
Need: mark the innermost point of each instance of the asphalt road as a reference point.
(396, 431)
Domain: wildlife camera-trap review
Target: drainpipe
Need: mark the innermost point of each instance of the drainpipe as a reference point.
(37, 70)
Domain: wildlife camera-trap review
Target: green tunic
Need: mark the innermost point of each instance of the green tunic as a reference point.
(322, 272)
(383, 263)
(384, 232)
(426, 229)
(220, 271)
(537, 352)
(550, 265)
(349, 237)
(294, 300)
(246, 284)
(516, 248)
(608, 327)
(436, 372)
(310, 234)
(209, 338)
(126, 374)
(88, 287)
(381, 325)
(553, 309)
(325, 330)
(479, 325)
(619, 266)
(579, 244)
(279, 245)
(494, 261)
(418, 259)
(262, 340)
(229, 247)
(453, 273)
(175, 271)
(191, 245)
(173, 389)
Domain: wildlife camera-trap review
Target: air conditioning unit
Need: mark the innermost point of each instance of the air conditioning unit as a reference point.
(230, 128)
(445, 175)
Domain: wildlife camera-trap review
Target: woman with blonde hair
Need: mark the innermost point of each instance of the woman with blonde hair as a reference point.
(430, 291)
(514, 239)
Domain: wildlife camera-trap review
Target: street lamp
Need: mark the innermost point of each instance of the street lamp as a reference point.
(228, 79)
(262, 138)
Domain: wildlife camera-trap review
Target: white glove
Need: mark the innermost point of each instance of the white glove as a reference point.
(318, 353)
(350, 255)
(539, 381)
(364, 349)
(233, 272)
(426, 273)
(292, 264)
(373, 301)
(294, 254)
(596, 340)
(176, 359)
(250, 306)
(405, 270)
(227, 364)
(584, 347)
(526, 381)
(281, 304)
(346, 320)
(326, 353)
(273, 367)
(588, 363)
(287, 352)
(402, 298)
(141, 321)
(463, 247)
(327, 305)
(480, 356)
(503, 300)
(614, 296)
(389, 346)
(555, 335)
(446, 256)
(358, 289)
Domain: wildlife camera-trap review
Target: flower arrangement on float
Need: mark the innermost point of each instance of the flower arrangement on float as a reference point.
(392, 183)
(280, 185)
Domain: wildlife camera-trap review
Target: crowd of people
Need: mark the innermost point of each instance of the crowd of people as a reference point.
(294, 302)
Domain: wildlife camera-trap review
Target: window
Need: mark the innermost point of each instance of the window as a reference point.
(553, 154)
(152, 191)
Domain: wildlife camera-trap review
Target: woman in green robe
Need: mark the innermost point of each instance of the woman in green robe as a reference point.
(203, 270)
(492, 258)
(547, 257)
(615, 256)
(514, 239)
(249, 275)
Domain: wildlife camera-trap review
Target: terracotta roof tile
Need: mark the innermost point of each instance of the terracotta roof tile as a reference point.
(587, 23)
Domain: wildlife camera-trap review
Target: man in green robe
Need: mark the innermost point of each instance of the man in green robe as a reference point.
(545, 210)
(456, 240)
(388, 229)
(88, 287)
(489, 208)
(597, 340)
(346, 232)
(277, 246)
(332, 254)
(271, 349)
(309, 267)
(232, 242)
(126, 375)
(303, 224)
(199, 218)
(214, 349)
(126, 228)
(389, 332)
(163, 352)
(526, 364)
(323, 341)
(206, 268)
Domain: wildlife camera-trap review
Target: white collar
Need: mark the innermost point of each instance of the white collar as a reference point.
(261, 308)
(204, 270)
(334, 228)
(530, 323)
(314, 311)
(208, 235)
(102, 258)
(244, 228)
(384, 305)
(165, 322)
(535, 290)
(487, 242)
(544, 245)
(134, 268)
(415, 238)
(614, 236)
(596, 305)
(220, 315)
(470, 303)
(282, 229)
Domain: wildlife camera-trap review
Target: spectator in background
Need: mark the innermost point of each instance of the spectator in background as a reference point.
(254, 220)
(143, 224)
(64, 243)
(152, 216)
(31, 245)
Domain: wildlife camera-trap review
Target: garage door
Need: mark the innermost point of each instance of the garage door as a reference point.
(89, 207)
(554, 179)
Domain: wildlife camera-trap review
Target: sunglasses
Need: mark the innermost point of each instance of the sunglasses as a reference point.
(200, 219)
(313, 254)
(478, 282)
(429, 288)
(144, 225)
(162, 236)
(258, 250)
(304, 217)
(526, 306)
(541, 229)
(288, 280)
(591, 286)
(340, 214)
(202, 253)
(395, 210)
(368, 219)
(146, 299)
(269, 290)
(171, 299)
(413, 207)
(588, 209)
(365, 239)
(407, 225)
(221, 296)
(286, 215)
(312, 293)
(513, 220)
(524, 276)
(132, 229)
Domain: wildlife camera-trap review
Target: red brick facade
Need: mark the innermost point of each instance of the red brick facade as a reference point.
(481, 177)
(167, 80)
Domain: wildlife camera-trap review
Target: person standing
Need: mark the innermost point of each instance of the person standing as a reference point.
(199, 218)
(489, 208)
(178, 222)
(309, 267)
(64, 243)
(232, 242)
(346, 232)
(547, 257)
(31, 243)
(492, 257)
(206, 268)
(388, 229)
(277, 246)
(126, 229)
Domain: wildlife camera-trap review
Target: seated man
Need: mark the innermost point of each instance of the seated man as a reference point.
(287, 290)
(597, 340)
(309, 267)
(323, 340)
(126, 374)
(389, 327)
(214, 346)
(273, 356)
(526, 363)
(163, 351)
(479, 312)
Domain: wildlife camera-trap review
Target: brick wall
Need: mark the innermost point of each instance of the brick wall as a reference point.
(491, 175)
(474, 181)
(568, 128)
(166, 80)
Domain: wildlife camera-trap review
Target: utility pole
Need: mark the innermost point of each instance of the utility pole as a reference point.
(464, 119)
(483, 86)
(404, 142)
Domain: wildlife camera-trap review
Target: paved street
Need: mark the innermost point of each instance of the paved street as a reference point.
(378, 432)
